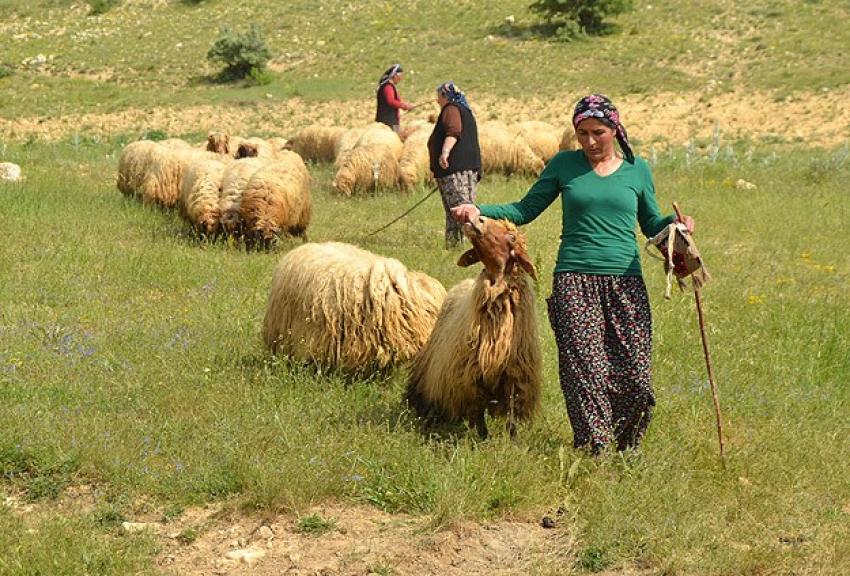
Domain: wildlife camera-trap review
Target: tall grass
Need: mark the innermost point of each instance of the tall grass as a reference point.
(130, 358)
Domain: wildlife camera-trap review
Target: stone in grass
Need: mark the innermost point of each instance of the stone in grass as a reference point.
(136, 527)
(9, 172)
(249, 556)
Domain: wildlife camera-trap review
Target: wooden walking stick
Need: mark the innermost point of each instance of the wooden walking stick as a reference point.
(697, 283)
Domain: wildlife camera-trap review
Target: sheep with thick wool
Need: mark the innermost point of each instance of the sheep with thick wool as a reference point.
(484, 353)
(200, 194)
(223, 143)
(543, 138)
(414, 166)
(345, 143)
(317, 143)
(233, 182)
(346, 308)
(276, 200)
(133, 166)
(372, 134)
(259, 148)
(568, 139)
(366, 168)
(164, 176)
(412, 126)
(504, 152)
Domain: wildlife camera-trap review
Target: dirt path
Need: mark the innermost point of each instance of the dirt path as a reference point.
(818, 119)
(341, 540)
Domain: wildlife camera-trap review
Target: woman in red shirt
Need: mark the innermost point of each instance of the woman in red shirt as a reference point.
(389, 102)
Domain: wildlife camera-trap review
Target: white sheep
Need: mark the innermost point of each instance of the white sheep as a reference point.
(276, 200)
(343, 307)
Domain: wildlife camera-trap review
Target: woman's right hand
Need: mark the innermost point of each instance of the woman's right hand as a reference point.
(465, 213)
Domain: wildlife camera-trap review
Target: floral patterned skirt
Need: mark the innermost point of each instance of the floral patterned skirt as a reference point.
(456, 189)
(603, 329)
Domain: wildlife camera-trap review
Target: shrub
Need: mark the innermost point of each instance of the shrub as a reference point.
(579, 16)
(101, 6)
(5, 71)
(242, 53)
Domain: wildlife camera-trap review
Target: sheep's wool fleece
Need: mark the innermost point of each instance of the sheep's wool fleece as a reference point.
(276, 199)
(199, 193)
(506, 153)
(345, 307)
(483, 348)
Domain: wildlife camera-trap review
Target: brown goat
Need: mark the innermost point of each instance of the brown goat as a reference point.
(484, 353)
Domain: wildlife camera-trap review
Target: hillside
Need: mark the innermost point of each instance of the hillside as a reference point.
(678, 68)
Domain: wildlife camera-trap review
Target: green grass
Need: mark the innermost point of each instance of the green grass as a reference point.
(136, 56)
(130, 358)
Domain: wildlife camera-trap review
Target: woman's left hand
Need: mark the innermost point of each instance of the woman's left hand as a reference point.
(689, 223)
(444, 161)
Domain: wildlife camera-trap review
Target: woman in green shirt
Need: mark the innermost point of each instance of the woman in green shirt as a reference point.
(599, 309)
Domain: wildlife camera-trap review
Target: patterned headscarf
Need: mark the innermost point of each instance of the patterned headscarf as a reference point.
(601, 108)
(453, 93)
(391, 71)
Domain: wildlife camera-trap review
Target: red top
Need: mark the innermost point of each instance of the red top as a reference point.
(390, 97)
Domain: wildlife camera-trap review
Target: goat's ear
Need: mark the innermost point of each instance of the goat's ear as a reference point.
(468, 258)
(521, 257)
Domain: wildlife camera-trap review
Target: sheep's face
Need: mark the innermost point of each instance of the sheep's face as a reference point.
(218, 142)
(498, 246)
(247, 150)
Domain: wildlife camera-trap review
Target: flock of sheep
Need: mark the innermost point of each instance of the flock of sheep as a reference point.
(472, 350)
(258, 189)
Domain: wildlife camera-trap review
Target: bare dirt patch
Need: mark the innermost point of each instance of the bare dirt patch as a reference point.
(218, 539)
(665, 119)
(361, 541)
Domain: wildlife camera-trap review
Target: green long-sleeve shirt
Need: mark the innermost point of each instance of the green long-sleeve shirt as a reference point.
(599, 213)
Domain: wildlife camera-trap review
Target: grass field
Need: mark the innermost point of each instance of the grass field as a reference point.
(130, 356)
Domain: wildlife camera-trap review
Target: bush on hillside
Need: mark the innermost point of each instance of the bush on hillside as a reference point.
(576, 17)
(101, 6)
(242, 53)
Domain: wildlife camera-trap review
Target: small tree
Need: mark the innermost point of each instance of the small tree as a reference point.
(242, 53)
(579, 16)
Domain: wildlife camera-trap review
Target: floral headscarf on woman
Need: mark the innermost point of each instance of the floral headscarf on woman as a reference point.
(453, 94)
(601, 108)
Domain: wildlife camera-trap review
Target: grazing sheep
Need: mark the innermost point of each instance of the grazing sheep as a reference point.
(345, 143)
(223, 143)
(366, 168)
(374, 133)
(543, 138)
(236, 176)
(346, 308)
(133, 166)
(279, 144)
(276, 200)
(414, 166)
(412, 126)
(257, 148)
(506, 153)
(378, 133)
(568, 139)
(175, 144)
(163, 178)
(200, 192)
(483, 354)
(317, 143)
